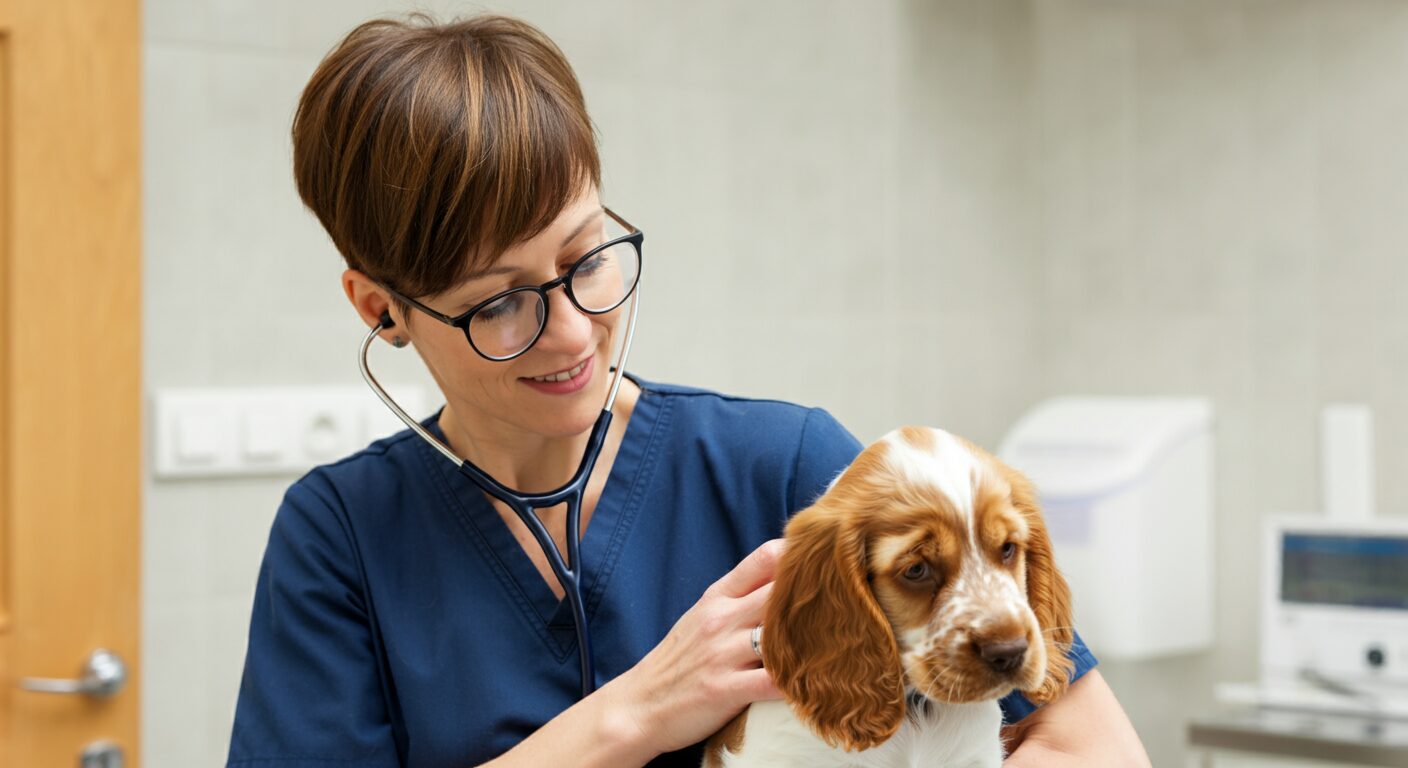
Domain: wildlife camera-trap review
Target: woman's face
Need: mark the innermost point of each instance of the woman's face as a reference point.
(512, 396)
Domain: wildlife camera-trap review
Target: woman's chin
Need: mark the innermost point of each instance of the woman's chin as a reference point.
(570, 420)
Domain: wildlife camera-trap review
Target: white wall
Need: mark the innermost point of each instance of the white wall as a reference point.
(905, 211)
(1224, 211)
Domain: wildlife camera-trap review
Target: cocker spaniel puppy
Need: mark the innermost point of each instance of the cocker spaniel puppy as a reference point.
(913, 595)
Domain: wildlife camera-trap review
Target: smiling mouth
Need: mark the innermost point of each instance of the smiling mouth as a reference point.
(562, 375)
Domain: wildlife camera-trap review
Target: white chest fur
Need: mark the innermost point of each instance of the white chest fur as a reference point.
(944, 735)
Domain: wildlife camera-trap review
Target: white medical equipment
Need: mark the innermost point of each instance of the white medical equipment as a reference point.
(1334, 626)
(1125, 485)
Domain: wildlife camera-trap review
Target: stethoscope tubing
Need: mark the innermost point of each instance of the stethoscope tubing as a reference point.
(568, 572)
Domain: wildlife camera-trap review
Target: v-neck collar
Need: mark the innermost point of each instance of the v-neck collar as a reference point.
(547, 616)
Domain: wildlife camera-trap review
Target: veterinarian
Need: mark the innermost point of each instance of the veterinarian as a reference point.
(405, 617)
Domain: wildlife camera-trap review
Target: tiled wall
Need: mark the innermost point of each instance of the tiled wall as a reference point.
(905, 211)
(823, 185)
(1224, 210)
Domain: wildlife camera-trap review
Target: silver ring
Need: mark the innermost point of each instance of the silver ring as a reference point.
(757, 638)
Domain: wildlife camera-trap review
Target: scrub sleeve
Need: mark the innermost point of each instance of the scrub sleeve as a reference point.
(312, 692)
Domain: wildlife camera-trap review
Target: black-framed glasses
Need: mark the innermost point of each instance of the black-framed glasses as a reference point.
(508, 324)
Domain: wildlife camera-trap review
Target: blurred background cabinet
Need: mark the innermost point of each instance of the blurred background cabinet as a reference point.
(1274, 738)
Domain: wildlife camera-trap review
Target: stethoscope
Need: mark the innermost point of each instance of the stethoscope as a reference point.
(569, 573)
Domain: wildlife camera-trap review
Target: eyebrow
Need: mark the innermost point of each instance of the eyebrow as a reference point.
(491, 271)
(578, 229)
(502, 269)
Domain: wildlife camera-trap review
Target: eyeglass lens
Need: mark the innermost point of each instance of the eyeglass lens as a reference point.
(599, 284)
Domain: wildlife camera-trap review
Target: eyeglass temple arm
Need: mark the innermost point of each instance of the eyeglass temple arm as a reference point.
(444, 318)
(630, 229)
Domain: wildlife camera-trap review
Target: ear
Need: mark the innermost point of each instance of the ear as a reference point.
(371, 300)
(826, 642)
(1047, 594)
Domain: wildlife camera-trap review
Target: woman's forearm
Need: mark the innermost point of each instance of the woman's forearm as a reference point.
(1086, 727)
(1032, 755)
(599, 730)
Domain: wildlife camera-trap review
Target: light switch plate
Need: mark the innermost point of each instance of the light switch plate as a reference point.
(218, 431)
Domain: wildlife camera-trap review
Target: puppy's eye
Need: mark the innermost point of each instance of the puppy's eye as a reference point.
(1009, 551)
(917, 572)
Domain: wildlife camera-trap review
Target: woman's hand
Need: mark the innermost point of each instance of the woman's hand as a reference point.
(704, 671)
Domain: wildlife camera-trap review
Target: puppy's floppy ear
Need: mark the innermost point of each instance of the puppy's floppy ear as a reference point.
(825, 640)
(1047, 594)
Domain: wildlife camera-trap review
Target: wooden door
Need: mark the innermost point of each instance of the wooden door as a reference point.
(70, 330)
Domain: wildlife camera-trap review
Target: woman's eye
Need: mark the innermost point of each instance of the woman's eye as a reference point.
(1009, 551)
(591, 265)
(917, 572)
(500, 309)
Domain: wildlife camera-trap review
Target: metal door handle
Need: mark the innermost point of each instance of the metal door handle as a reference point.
(103, 675)
(101, 754)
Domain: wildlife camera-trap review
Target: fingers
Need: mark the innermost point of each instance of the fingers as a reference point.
(745, 611)
(756, 570)
(749, 612)
(753, 605)
(738, 649)
(745, 591)
(757, 685)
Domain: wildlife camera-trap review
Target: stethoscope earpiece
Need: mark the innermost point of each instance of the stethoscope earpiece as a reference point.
(386, 324)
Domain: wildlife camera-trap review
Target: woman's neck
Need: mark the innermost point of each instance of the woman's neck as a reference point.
(522, 460)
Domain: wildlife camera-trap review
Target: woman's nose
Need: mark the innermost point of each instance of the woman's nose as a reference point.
(568, 329)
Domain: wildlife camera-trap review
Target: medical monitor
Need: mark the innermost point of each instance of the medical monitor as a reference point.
(1335, 601)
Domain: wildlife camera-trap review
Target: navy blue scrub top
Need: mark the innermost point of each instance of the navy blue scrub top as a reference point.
(397, 622)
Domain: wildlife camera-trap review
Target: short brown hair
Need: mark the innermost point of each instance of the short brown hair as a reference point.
(427, 149)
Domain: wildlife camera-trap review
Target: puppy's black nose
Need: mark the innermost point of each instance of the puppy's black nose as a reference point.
(1003, 655)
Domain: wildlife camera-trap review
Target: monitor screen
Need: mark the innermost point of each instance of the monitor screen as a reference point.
(1359, 571)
